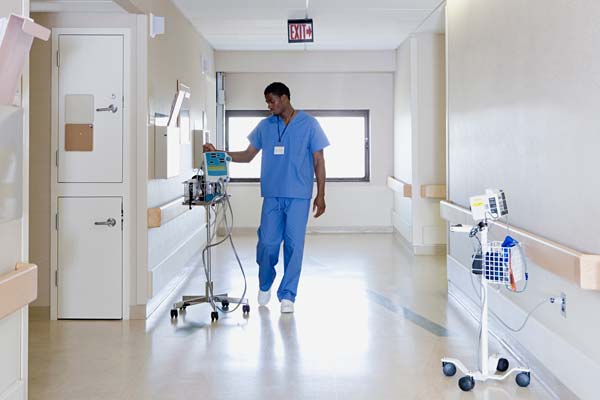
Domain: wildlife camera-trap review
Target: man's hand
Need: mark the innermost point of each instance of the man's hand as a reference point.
(208, 147)
(319, 163)
(319, 206)
(236, 156)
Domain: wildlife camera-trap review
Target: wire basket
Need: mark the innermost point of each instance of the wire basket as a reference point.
(500, 265)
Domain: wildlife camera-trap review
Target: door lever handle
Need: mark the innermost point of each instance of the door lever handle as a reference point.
(112, 108)
(110, 222)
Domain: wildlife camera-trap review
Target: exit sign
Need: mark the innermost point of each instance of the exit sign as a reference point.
(300, 31)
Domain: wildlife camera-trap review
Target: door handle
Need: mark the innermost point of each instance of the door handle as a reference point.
(112, 108)
(110, 222)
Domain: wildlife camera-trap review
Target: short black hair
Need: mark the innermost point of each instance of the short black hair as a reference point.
(278, 89)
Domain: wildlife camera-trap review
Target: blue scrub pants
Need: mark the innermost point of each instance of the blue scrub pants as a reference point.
(282, 219)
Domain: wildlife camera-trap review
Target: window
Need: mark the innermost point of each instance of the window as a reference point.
(347, 157)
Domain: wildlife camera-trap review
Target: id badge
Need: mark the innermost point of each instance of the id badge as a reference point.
(279, 150)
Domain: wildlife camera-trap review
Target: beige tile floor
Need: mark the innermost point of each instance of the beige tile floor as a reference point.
(367, 325)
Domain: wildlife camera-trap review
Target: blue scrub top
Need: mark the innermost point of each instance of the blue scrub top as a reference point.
(291, 174)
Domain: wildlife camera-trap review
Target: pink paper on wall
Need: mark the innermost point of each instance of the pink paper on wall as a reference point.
(16, 36)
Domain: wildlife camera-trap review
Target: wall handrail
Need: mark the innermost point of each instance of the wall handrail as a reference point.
(18, 288)
(399, 186)
(580, 268)
(158, 216)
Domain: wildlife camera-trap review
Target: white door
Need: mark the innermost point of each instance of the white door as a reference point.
(90, 270)
(90, 92)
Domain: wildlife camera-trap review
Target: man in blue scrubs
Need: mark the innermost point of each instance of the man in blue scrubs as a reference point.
(292, 144)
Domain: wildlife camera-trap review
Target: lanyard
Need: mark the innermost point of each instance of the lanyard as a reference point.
(280, 134)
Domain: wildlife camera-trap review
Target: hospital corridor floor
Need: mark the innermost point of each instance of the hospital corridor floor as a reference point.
(371, 321)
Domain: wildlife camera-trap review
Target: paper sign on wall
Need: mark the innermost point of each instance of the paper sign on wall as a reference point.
(79, 122)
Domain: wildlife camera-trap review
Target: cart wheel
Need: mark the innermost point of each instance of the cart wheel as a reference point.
(214, 316)
(246, 308)
(225, 305)
(523, 379)
(466, 383)
(173, 314)
(502, 365)
(448, 368)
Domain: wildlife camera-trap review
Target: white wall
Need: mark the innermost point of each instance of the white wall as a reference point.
(176, 55)
(523, 116)
(419, 139)
(429, 140)
(402, 214)
(323, 90)
(305, 61)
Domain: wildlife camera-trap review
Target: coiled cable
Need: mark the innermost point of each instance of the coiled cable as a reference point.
(218, 202)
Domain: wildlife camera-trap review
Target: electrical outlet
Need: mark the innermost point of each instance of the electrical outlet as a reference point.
(563, 305)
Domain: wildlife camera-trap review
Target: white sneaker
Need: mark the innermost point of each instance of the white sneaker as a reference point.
(287, 306)
(264, 297)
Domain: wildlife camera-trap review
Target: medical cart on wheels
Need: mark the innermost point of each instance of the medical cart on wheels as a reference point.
(498, 263)
(209, 190)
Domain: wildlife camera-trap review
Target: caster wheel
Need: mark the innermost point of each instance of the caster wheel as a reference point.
(173, 314)
(448, 368)
(502, 365)
(466, 383)
(523, 379)
(214, 316)
(225, 305)
(246, 308)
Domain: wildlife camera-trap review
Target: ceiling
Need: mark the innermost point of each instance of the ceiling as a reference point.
(262, 24)
(87, 6)
(338, 24)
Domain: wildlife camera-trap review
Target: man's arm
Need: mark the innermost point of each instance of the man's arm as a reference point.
(319, 164)
(236, 156)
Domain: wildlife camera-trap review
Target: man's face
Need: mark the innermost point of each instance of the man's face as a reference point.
(276, 104)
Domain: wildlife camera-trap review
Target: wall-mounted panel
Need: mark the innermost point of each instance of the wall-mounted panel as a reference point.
(11, 163)
(166, 152)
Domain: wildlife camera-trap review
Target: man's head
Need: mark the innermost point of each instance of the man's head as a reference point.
(277, 96)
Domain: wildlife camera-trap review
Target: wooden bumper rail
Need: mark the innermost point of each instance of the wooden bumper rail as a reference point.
(399, 186)
(427, 191)
(580, 268)
(433, 191)
(158, 216)
(17, 288)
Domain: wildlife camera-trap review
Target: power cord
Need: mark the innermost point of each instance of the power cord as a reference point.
(550, 300)
(520, 328)
(229, 228)
(478, 252)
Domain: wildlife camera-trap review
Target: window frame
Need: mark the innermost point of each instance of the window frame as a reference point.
(314, 113)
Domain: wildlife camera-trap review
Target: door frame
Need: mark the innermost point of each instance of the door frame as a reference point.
(124, 189)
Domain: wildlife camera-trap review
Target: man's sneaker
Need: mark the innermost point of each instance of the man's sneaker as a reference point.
(287, 306)
(264, 297)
